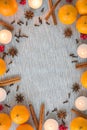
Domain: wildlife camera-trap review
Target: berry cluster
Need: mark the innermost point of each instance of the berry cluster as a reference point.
(83, 36)
(2, 48)
(23, 2)
(63, 127)
(69, 1)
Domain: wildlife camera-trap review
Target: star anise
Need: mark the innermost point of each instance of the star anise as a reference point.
(76, 87)
(62, 114)
(68, 32)
(19, 98)
(29, 14)
(13, 51)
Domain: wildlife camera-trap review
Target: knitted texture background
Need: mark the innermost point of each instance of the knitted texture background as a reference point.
(44, 63)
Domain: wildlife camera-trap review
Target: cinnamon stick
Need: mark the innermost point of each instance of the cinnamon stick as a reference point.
(8, 26)
(34, 118)
(9, 81)
(42, 111)
(52, 9)
(79, 113)
(81, 65)
(53, 13)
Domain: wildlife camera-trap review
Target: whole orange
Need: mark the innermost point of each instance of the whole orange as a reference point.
(81, 24)
(20, 114)
(84, 79)
(25, 127)
(2, 67)
(8, 7)
(78, 123)
(5, 121)
(81, 6)
(67, 14)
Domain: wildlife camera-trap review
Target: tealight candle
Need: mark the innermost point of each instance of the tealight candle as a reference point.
(82, 51)
(51, 124)
(35, 4)
(2, 94)
(81, 103)
(5, 36)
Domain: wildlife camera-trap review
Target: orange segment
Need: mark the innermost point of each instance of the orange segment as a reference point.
(67, 14)
(2, 67)
(25, 127)
(20, 114)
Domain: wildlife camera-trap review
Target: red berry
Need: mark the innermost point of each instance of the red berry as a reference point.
(2, 48)
(1, 107)
(83, 36)
(23, 2)
(62, 127)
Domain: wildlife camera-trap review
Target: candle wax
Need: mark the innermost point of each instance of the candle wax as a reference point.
(81, 103)
(2, 94)
(5, 36)
(51, 124)
(82, 51)
(35, 4)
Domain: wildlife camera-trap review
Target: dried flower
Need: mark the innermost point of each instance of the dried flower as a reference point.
(1, 107)
(7, 105)
(62, 114)
(29, 14)
(42, 10)
(13, 51)
(47, 113)
(76, 87)
(54, 110)
(68, 32)
(63, 127)
(19, 98)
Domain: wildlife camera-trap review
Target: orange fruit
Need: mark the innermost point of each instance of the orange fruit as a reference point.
(8, 7)
(2, 67)
(5, 121)
(25, 127)
(67, 14)
(81, 24)
(20, 114)
(78, 123)
(81, 6)
(84, 79)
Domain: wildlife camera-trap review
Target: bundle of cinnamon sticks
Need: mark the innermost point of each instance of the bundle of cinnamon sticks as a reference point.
(38, 124)
(9, 81)
(51, 12)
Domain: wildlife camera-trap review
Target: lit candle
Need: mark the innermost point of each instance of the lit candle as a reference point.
(82, 51)
(51, 124)
(81, 103)
(5, 36)
(2, 94)
(35, 4)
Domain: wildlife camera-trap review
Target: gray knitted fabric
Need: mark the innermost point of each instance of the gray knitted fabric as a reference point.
(44, 64)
